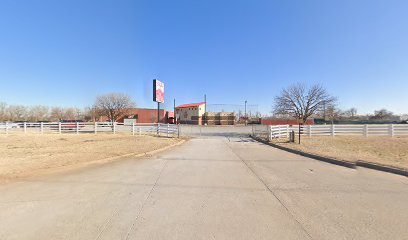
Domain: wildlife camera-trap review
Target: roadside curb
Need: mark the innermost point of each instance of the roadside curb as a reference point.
(384, 168)
(354, 165)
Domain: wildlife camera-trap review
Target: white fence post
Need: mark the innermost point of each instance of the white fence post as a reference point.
(133, 128)
(25, 127)
(366, 130)
(6, 129)
(269, 133)
(114, 127)
(59, 127)
(332, 130)
(168, 126)
(391, 130)
(140, 131)
(42, 127)
(77, 127)
(95, 127)
(287, 131)
(310, 131)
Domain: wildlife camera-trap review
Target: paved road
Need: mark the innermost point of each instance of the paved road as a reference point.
(209, 188)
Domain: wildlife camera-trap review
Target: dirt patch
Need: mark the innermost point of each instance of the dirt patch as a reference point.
(392, 151)
(33, 154)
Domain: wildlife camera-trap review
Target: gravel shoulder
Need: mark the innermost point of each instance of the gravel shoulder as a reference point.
(34, 154)
(391, 151)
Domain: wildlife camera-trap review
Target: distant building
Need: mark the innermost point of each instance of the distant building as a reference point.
(143, 115)
(191, 113)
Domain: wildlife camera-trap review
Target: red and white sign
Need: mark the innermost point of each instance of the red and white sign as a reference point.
(158, 91)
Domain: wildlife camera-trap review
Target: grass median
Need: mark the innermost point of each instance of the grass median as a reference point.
(390, 151)
(34, 154)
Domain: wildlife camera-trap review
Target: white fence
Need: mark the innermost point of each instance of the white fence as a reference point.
(282, 131)
(169, 130)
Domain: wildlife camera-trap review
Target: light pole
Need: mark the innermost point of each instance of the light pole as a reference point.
(245, 113)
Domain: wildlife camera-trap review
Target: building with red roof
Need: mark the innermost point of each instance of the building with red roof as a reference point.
(191, 113)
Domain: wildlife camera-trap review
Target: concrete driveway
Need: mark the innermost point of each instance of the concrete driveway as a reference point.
(209, 188)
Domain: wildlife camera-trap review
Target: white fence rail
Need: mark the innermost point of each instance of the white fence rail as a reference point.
(282, 131)
(169, 130)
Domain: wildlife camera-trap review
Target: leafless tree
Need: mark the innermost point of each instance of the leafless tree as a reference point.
(113, 105)
(38, 113)
(3, 111)
(16, 113)
(90, 114)
(382, 114)
(333, 113)
(350, 113)
(57, 114)
(301, 102)
(69, 113)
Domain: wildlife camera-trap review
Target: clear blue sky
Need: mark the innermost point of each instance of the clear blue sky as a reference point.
(66, 52)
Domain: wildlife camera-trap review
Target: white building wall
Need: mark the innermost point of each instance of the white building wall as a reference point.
(190, 113)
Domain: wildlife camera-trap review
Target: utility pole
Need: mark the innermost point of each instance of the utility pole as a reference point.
(205, 108)
(245, 113)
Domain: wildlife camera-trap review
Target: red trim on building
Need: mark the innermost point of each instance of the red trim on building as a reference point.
(191, 105)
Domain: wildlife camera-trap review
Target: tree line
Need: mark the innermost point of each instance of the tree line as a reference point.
(300, 101)
(39, 113)
(111, 105)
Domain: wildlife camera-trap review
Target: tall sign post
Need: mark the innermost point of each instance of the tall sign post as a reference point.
(158, 96)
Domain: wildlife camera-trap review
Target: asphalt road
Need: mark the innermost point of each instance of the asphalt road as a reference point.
(219, 187)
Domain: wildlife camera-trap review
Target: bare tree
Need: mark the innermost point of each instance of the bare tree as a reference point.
(90, 114)
(350, 113)
(69, 113)
(38, 113)
(382, 114)
(57, 114)
(113, 105)
(301, 102)
(333, 113)
(3, 111)
(16, 112)
(353, 112)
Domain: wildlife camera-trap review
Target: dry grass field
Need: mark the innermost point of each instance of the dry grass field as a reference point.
(34, 154)
(383, 150)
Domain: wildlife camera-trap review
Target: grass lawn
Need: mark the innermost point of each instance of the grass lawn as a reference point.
(24, 155)
(392, 151)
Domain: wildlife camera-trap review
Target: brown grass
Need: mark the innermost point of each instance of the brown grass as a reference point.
(33, 154)
(384, 150)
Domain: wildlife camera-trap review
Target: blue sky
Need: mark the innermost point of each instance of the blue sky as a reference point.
(67, 52)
